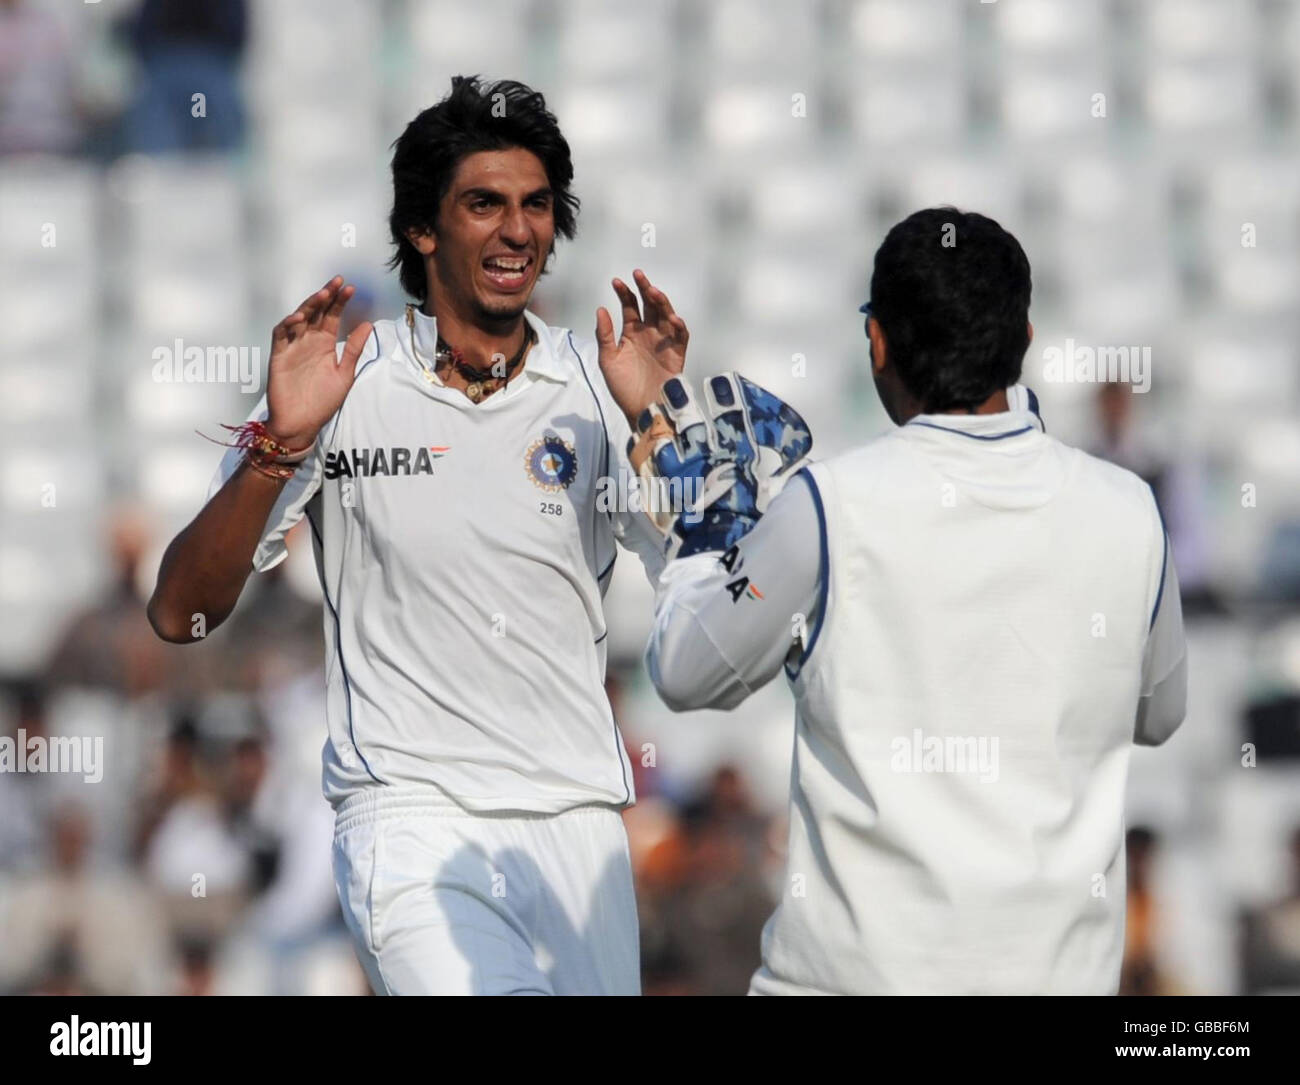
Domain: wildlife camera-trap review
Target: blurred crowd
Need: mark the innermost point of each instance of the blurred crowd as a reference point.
(199, 864)
(200, 861)
(47, 106)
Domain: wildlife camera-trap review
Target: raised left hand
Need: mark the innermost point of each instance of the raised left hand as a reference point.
(650, 350)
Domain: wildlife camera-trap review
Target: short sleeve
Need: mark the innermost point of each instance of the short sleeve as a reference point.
(725, 623)
(1162, 701)
(633, 528)
(1166, 643)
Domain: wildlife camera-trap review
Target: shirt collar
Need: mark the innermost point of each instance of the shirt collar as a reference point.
(1005, 425)
(541, 360)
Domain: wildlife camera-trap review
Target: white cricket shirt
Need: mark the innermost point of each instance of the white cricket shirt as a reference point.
(464, 551)
(984, 620)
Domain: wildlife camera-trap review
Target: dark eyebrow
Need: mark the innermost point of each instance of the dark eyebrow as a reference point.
(494, 196)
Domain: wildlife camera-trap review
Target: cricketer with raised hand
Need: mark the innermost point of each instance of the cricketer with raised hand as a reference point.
(977, 621)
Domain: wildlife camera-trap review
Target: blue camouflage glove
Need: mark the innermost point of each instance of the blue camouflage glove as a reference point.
(711, 473)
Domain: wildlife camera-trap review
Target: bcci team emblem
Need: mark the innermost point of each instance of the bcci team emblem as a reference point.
(551, 463)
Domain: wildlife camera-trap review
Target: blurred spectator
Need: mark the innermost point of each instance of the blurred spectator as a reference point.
(188, 47)
(274, 636)
(23, 796)
(1280, 574)
(204, 855)
(69, 928)
(177, 778)
(660, 868)
(197, 974)
(1178, 491)
(299, 909)
(110, 645)
(1271, 711)
(704, 900)
(1271, 938)
(1142, 972)
(38, 95)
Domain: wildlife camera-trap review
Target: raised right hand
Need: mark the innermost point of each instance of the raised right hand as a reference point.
(308, 381)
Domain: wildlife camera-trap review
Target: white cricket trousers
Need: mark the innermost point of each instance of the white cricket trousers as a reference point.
(441, 901)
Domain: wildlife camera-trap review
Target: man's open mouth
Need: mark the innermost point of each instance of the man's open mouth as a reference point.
(507, 272)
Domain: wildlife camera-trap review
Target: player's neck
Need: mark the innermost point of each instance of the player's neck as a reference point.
(908, 408)
(995, 404)
(480, 343)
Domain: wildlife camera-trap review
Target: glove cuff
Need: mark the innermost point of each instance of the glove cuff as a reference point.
(719, 530)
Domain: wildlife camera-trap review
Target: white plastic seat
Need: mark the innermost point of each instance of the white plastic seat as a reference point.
(1202, 99)
(907, 107)
(1051, 101)
(1050, 28)
(743, 39)
(1198, 29)
(908, 31)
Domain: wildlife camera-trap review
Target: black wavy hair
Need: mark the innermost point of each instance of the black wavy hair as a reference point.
(475, 116)
(950, 290)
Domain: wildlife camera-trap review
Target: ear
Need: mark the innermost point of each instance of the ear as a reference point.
(423, 241)
(1030, 324)
(878, 346)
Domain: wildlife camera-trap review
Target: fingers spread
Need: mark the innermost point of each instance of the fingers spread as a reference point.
(650, 295)
(631, 311)
(660, 298)
(322, 300)
(309, 303)
(336, 307)
(287, 330)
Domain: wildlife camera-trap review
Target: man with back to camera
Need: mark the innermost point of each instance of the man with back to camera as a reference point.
(450, 465)
(978, 622)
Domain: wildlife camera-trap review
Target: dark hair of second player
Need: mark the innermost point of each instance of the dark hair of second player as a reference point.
(950, 292)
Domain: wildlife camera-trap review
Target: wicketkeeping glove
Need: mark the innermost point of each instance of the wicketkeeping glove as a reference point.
(705, 472)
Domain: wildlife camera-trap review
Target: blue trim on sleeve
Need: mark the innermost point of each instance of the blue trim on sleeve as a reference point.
(604, 454)
(338, 646)
(1164, 560)
(599, 410)
(367, 364)
(823, 571)
(1160, 593)
(620, 750)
